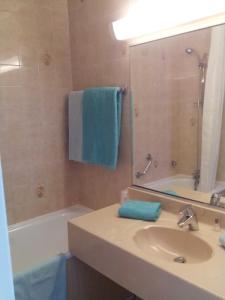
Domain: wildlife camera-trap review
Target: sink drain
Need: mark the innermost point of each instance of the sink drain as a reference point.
(180, 259)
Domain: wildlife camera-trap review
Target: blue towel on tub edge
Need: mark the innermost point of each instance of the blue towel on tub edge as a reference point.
(47, 281)
(142, 210)
(101, 125)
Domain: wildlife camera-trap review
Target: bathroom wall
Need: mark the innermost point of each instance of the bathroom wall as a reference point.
(165, 85)
(99, 60)
(35, 78)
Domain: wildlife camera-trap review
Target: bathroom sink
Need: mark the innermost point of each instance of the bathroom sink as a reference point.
(173, 245)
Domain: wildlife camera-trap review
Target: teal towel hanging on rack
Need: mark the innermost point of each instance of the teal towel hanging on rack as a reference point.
(101, 125)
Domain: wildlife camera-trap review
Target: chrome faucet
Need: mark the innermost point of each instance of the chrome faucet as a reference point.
(188, 218)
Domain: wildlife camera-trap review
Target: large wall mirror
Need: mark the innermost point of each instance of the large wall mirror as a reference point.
(177, 86)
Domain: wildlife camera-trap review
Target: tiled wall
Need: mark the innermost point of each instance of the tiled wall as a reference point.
(35, 77)
(98, 60)
(166, 79)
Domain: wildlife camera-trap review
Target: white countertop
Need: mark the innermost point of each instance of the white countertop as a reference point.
(105, 241)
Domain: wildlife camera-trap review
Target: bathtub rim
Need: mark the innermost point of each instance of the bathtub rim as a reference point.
(44, 217)
(157, 184)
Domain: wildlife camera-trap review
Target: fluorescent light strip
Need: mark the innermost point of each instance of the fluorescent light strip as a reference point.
(147, 17)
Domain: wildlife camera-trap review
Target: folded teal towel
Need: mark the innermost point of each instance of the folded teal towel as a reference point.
(101, 126)
(46, 282)
(222, 239)
(135, 209)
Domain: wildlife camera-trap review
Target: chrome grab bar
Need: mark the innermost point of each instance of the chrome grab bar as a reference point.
(149, 160)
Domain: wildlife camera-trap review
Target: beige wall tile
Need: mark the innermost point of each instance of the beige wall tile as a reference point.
(33, 106)
(99, 60)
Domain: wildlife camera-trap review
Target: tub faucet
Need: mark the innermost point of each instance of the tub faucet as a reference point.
(188, 218)
(215, 199)
(196, 177)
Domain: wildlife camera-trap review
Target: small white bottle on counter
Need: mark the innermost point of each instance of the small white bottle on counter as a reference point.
(123, 196)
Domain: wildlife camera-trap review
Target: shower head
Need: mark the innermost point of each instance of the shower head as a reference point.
(202, 62)
(189, 50)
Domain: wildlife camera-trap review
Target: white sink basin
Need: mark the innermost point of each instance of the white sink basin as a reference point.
(173, 244)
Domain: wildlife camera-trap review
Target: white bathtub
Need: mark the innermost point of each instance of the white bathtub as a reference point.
(36, 240)
(180, 180)
(167, 183)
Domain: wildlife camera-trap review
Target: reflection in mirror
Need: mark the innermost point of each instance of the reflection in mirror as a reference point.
(178, 88)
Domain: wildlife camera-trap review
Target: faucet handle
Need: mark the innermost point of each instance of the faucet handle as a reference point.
(188, 217)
